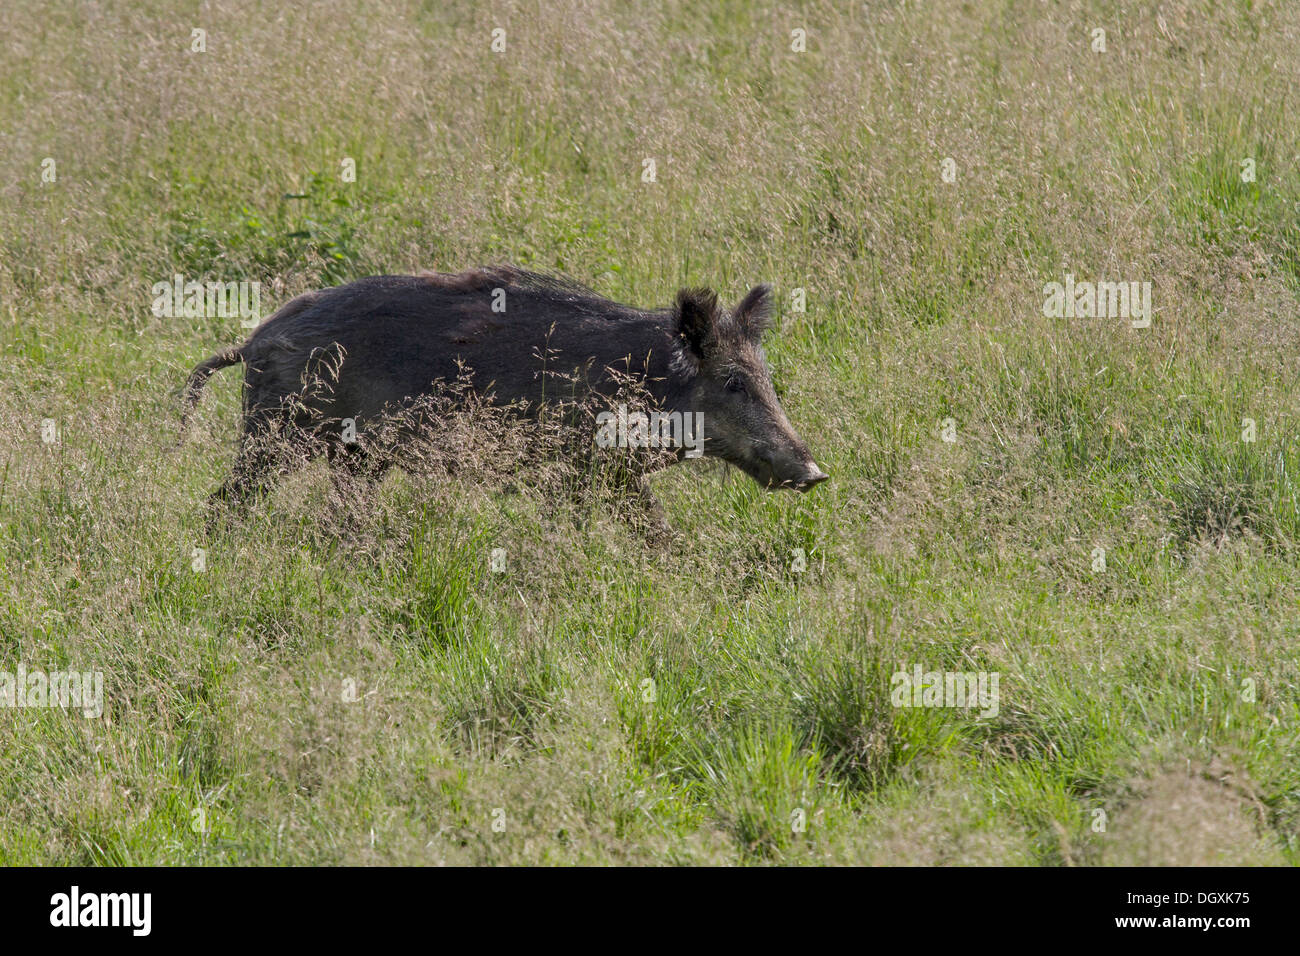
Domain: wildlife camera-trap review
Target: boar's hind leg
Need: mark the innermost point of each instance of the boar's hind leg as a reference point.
(263, 457)
(248, 479)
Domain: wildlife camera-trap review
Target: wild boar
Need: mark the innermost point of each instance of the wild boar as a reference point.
(387, 342)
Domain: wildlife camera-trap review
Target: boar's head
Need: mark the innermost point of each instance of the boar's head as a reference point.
(728, 381)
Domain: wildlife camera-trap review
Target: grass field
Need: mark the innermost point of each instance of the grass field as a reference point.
(1105, 517)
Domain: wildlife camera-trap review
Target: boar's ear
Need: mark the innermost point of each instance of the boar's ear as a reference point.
(754, 313)
(695, 319)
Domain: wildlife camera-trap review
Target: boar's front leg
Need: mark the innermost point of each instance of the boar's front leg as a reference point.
(655, 520)
(635, 503)
(626, 493)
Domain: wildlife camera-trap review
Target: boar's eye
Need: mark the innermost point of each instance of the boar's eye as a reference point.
(736, 385)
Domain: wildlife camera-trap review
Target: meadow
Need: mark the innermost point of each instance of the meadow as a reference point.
(1105, 516)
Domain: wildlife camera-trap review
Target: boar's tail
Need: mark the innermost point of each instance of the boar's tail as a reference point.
(199, 377)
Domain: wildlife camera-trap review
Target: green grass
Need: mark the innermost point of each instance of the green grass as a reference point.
(369, 690)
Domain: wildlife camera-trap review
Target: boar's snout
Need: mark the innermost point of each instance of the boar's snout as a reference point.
(814, 476)
(799, 474)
